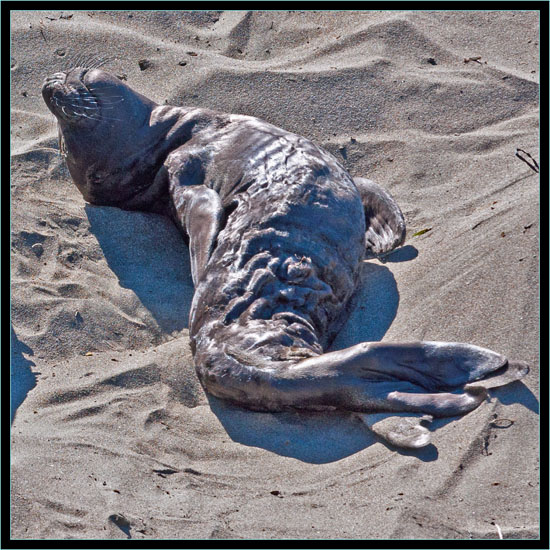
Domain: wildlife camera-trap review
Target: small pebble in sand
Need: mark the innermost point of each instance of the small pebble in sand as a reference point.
(38, 249)
(144, 64)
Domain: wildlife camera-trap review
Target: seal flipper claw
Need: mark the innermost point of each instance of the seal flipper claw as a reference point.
(385, 224)
(405, 431)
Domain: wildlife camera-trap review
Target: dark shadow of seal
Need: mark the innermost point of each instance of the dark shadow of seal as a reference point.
(374, 307)
(148, 255)
(315, 438)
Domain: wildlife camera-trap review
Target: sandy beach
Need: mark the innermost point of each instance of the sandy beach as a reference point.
(112, 435)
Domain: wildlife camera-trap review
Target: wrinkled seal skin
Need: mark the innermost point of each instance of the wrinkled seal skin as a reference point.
(277, 230)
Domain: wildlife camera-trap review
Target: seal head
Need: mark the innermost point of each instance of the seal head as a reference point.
(94, 110)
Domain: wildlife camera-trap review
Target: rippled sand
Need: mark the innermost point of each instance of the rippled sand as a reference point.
(113, 437)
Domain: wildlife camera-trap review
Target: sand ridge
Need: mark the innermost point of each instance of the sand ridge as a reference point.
(112, 435)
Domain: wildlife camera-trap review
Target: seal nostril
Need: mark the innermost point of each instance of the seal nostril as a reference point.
(81, 74)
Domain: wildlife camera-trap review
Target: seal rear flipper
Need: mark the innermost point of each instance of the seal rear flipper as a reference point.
(385, 224)
(199, 213)
(432, 378)
(435, 366)
(404, 430)
(441, 404)
(512, 371)
(435, 378)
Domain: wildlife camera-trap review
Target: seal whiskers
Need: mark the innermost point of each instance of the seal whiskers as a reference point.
(92, 61)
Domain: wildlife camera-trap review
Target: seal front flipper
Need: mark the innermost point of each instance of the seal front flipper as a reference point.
(199, 213)
(384, 220)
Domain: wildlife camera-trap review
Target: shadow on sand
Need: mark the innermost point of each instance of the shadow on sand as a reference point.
(148, 255)
(22, 379)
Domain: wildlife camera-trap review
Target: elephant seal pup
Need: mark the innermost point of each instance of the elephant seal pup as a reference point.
(277, 230)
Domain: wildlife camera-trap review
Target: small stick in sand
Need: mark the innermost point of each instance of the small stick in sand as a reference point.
(499, 532)
(42, 31)
(534, 166)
